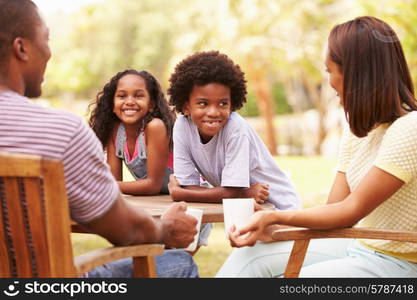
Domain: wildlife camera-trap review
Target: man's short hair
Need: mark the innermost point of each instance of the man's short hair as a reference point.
(17, 19)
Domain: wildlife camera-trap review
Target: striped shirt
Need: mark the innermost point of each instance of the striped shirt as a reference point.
(26, 127)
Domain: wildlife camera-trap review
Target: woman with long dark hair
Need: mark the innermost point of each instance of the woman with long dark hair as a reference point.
(376, 182)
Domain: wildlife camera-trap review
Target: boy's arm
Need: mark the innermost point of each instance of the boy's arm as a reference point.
(194, 193)
(184, 166)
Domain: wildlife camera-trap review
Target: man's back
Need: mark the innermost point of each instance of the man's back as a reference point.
(26, 127)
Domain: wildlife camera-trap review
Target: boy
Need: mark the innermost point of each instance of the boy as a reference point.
(214, 141)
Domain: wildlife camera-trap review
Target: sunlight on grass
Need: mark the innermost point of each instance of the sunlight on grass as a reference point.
(210, 258)
(312, 177)
(82, 243)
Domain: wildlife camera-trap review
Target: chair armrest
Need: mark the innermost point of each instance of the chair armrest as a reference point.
(88, 261)
(288, 234)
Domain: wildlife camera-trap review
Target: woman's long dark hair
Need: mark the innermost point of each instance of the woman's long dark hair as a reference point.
(103, 119)
(377, 85)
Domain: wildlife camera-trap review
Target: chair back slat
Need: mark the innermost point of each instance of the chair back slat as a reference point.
(58, 223)
(16, 229)
(35, 226)
(36, 216)
(5, 268)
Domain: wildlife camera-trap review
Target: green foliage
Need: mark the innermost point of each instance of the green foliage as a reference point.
(280, 101)
(104, 39)
(402, 16)
(283, 38)
(281, 106)
(250, 108)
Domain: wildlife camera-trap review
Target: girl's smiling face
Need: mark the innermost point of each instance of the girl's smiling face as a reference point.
(209, 107)
(131, 99)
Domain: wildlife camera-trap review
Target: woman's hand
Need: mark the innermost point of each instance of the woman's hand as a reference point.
(258, 228)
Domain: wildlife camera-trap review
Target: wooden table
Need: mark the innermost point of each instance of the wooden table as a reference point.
(156, 205)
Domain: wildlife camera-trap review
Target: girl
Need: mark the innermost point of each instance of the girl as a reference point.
(133, 121)
(376, 183)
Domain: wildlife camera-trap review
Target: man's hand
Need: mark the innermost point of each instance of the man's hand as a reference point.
(178, 228)
(258, 191)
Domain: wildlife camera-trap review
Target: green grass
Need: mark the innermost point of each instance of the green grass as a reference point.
(312, 177)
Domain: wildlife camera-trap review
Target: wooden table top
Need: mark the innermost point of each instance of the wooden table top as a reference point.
(156, 205)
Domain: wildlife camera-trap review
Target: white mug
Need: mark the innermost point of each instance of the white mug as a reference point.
(198, 214)
(237, 211)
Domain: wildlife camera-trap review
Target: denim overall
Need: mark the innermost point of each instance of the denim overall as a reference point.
(137, 166)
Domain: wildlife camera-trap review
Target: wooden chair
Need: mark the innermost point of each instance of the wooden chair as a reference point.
(35, 231)
(302, 237)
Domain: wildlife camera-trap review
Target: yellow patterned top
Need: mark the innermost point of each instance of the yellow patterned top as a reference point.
(392, 148)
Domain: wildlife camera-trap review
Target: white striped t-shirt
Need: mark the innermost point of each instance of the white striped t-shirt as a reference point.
(26, 127)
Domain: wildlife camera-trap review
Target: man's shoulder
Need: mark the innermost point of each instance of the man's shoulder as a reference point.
(23, 105)
(65, 115)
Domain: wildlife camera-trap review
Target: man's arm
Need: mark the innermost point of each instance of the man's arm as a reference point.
(125, 224)
(97, 205)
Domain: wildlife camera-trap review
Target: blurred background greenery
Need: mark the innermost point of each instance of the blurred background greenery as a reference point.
(279, 44)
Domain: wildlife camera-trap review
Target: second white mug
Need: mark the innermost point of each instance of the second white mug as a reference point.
(198, 214)
(237, 211)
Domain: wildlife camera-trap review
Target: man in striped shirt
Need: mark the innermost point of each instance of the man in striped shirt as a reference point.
(94, 197)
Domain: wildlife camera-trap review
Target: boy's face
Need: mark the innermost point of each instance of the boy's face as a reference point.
(209, 107)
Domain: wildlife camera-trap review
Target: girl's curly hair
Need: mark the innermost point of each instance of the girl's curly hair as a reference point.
(102, 118)
(202, 68)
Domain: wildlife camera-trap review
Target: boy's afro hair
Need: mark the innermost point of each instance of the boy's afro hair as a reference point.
(202, 68)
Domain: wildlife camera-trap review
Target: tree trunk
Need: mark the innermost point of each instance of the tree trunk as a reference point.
(316, 97)
(263, 94)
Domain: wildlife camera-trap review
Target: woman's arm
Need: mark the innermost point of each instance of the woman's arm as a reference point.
(157, 144)
(376, 187)
(340, 189)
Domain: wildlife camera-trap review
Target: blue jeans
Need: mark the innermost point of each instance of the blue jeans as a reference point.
(171, 264)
